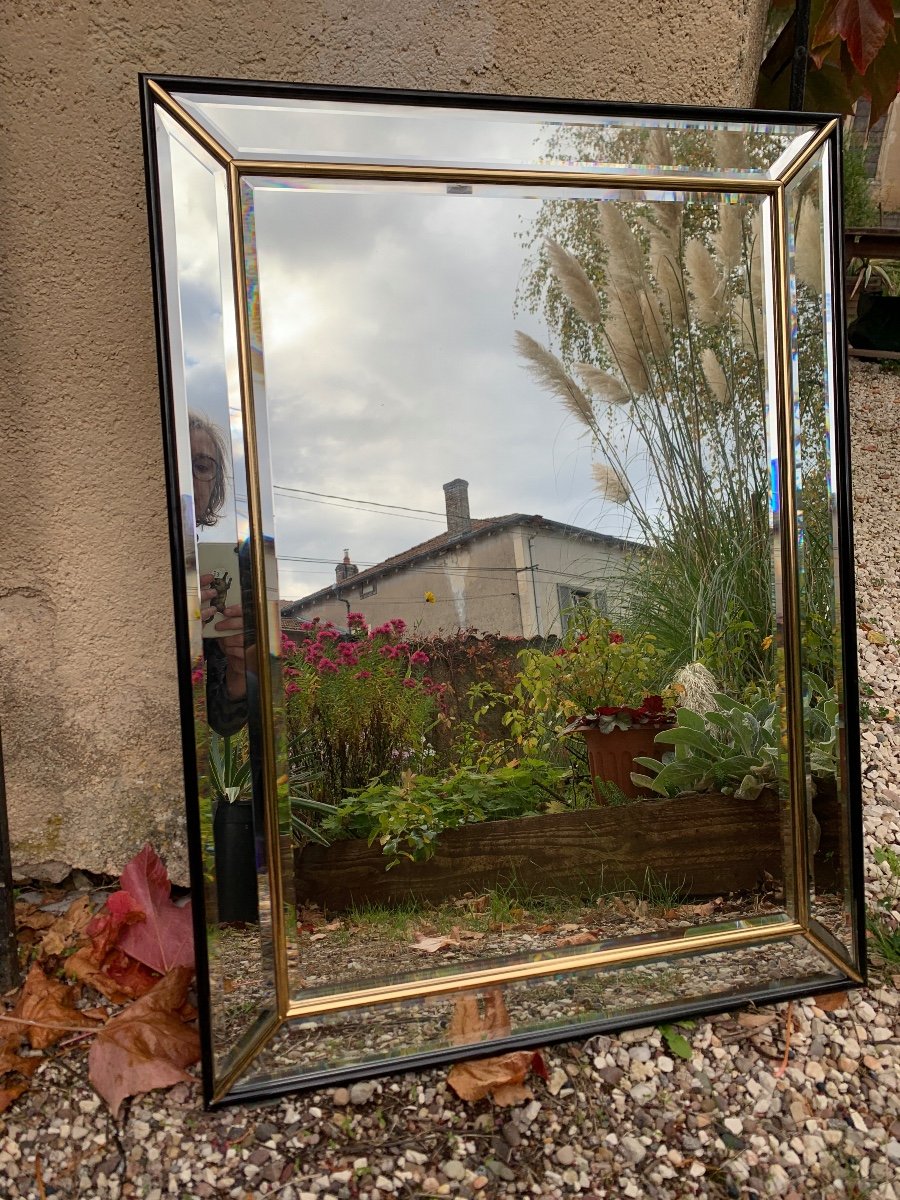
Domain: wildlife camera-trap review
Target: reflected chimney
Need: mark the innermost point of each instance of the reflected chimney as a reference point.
(456, 499)
(346, 569)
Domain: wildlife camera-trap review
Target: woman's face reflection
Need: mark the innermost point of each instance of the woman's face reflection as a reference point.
(205, 467)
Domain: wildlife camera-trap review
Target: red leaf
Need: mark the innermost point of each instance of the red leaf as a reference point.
(164, 939)
(864, 25)
(120, 909)
(147, 1046)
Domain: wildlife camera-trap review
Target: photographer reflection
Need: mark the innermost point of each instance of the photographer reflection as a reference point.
(226, 654)
(229, 653)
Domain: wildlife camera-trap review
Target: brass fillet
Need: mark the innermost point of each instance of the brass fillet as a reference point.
(257, 564)
(187, 122)
(514, 972)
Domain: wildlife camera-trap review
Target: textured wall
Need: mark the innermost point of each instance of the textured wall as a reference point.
(87, 665)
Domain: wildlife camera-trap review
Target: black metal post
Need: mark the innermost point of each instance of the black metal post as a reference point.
(800, 62)
(9, 959)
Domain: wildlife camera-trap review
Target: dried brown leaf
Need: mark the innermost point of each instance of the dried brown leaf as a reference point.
(500, 1077)
(431, 945)
(9, 1095)
(831, 1001)
(47, 1002)
(753, 1020)
(146, 1046)
(65, 930)
(577, 939)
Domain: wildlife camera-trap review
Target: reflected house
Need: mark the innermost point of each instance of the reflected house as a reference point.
(515, 575)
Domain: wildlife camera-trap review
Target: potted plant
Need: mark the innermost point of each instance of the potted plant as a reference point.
(607, 688)
(230, 775)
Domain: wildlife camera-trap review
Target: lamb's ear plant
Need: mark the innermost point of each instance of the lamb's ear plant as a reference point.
(732, 749)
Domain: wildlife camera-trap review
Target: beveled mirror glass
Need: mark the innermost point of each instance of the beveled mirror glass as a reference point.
(508, 477)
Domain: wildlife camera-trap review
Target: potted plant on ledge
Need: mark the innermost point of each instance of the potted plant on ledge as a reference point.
(607, 688)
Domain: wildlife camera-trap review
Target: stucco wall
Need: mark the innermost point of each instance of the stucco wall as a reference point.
(88, 675)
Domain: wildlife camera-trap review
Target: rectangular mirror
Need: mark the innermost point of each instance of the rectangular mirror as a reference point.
(509, 495)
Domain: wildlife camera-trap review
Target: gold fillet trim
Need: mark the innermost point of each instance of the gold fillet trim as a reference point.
(514, 972)
(260, 599)
(193, 127)
(532, 177)
(807, 152)
(222, 1086)
(822, 938)
(789, 561)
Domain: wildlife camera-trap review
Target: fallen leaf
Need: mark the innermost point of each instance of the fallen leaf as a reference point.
(29, 916)
(66, 930)
(500, 1077)
(11, 1061)
(751, 1020)
(146, 1046)
(876, 637)
(104, 930)
(545, 929)
(431, 945)
(470, 935)
(831, 1001)
(119, 979)
(165, 938)
(49, 1003)
(9, 1095)
(539, 1066)
(577, 939)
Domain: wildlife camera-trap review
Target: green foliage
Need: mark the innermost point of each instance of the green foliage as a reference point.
(884, 923)
(731, 750)
(594, 667)
(860, 210)
(229, 767)
(358, 707)
(735, 749)
(406, 817)
(677, 1042)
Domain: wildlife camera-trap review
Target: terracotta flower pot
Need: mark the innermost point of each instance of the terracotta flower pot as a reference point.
(611, 756)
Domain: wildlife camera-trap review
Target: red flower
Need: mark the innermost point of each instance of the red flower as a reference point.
(419, 659)
(363, 675)
(615, 639)
(325, 664)
(355, 619)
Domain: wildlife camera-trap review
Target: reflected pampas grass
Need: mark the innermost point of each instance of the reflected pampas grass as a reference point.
(552, 375)
(610, 484)
(578, 289)
(714, 375)
(707, 284)
(601, 384)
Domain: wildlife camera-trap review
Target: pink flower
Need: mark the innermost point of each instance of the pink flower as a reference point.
(197, 675)
(419, 659)
(382, 629)
(398, 625)
(328, 635)
(292, 688)
(389, 652)
(326, 665)
(409, 683)
(363, 675)
(355, 619)
(287, 646)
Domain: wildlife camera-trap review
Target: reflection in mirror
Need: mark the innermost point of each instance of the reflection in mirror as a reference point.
(572, 1000)
(821, 640)
(213, 484)
(489, 556)
(467, 688)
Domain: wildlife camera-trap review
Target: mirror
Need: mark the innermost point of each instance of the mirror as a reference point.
(508, 475)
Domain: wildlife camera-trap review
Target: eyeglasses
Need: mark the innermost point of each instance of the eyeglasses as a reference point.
(204, 467)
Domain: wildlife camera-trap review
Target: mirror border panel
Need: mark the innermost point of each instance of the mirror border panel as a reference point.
(156, 90)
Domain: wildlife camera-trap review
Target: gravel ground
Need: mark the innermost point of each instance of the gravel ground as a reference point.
(619, 1116)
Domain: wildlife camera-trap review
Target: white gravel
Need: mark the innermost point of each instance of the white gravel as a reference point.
(621, 1116)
